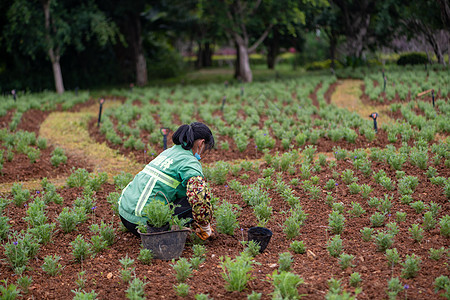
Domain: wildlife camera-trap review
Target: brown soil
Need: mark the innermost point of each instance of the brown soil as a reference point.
(313, 95)
(316, 267)
(330, 91)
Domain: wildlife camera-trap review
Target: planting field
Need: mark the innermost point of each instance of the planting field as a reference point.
(354, 212)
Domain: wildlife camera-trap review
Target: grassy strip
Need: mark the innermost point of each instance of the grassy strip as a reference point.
(347, 95)
(69, 131)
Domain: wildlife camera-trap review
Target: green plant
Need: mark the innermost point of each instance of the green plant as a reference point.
(51, 265)
(158, 213)
(345, 260)
(365, 191)
(122, 179)
(383, 240)
(334, 246)
(347, 176)
(36, 213)
(24, 283)
(416, 232)
(366, 233)
(58, 157)
(298, 247)
(429, 222)
(262, 212)
(338, 207)
(394, 287)
(434, 208)
(33, 154)
(436, 254)
(442, 283)
(145, 256)
(202, 297)
(373, 202)
(20, 249)
(400, 216)
(254, 296)
(386, 204)
(285, 285)
(9, 292)
(330, 185)
(182, 289)
(136, 290)
(392, 256)
(252, 248)
(81, 250)
(67, 220)
(98, 243)
(183, 269)
(411, 266)
(354, 188)
(355, 279)
(336, 222)
(377, 219)
(285, 260)
(20, 195)
(357, 210)
(392, 228)
(226, 218)
(236, 272)
(387, 183)
(445, 225)
(418, 206)
(4, 227)
(78, 178)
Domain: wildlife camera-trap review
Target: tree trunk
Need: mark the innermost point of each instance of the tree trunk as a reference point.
(333, 43)
(57, 74)
(237, 62)
(245, 73)
(207, 55)
(141, 62)
(273, 50)
(54, 57)
(204, 55)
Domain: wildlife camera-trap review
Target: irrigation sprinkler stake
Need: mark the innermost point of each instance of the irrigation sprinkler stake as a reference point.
(374, 116)
(165, 132)
(13, 92)
(101, 101)
(384, 84)
(242, 91)
(223, 102)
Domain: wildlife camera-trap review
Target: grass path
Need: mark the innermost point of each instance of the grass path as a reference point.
(348, 95)
(68, 130)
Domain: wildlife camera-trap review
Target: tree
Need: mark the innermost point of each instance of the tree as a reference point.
(52, 26)
(428, 18)
(239, 18)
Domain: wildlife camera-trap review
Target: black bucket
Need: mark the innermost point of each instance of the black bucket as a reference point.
(165, 245)
(260, 235)
(151, 229)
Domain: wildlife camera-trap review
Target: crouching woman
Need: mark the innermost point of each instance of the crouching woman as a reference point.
(175, 176)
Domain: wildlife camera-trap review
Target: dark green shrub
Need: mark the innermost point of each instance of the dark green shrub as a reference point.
(412, 58)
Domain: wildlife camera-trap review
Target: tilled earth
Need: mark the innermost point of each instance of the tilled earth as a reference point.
(316, 266)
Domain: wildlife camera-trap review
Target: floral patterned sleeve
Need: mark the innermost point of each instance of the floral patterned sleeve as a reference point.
(199, 198)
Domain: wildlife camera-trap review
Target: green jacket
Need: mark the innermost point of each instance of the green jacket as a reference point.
(167, 175)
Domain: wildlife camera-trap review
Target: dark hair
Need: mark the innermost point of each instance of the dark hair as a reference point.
(187, 134)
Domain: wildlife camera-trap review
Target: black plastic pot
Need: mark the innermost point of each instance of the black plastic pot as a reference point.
(260, 235)
(151, 229)
(165, 245)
